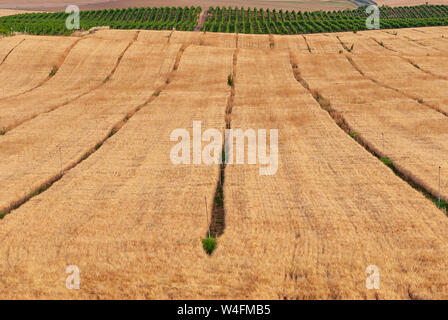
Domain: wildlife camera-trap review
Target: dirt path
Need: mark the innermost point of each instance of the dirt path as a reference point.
(201, 20)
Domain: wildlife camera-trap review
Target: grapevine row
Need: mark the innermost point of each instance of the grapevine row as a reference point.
(165, 18)
(265, 21)
(231, 20)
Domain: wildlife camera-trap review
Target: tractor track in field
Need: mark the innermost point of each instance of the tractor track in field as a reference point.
(52, 72)
(117, 127)
(98, 86)
(339, 119)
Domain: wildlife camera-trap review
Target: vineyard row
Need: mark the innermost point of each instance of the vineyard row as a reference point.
(222, 19)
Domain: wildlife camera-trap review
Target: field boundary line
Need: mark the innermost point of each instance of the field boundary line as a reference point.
(46, 185)
(55, 107)
(340, 121)
(52, 73)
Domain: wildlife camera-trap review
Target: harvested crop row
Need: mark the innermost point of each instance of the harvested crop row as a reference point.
(34, 153)
(86, 67)
(330, 211)
(127, 213)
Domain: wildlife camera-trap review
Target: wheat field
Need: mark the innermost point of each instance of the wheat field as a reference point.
(88, 181)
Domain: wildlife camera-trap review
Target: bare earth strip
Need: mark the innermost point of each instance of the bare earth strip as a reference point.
(30, 63)
(86, 67)
(332, 209)
(127, 212)
(30, 153)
